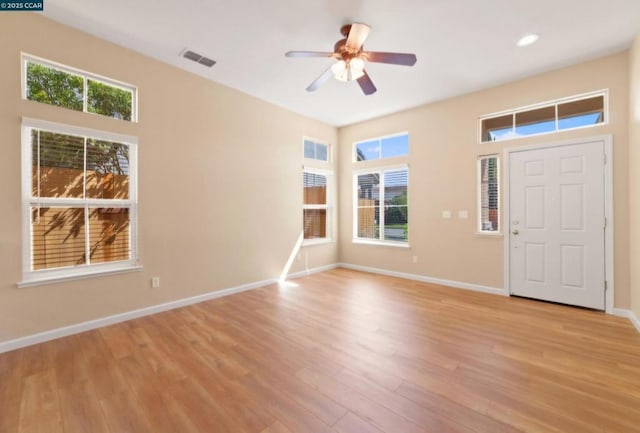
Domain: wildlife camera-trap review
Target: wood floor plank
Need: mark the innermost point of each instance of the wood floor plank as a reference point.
(124, 415)
(202, 409)
(40, 405)
(276, 427)
(379, 415)
(68, 361)
(351, 423)
(81, 412)
(119, 339)
(11, 388)
(342, 352)
(293, 416)
(441, 415)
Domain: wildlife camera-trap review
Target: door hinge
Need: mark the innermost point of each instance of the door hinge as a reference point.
(605, 285)
(605, 223)
(604, 158)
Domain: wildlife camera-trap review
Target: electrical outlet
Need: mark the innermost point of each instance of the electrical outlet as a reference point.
(446, 214)
(415, 259)
(155, 282)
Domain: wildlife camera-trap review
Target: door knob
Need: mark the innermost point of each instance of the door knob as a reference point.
(515, 232)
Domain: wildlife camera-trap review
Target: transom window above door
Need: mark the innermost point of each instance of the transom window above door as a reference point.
(574, 112)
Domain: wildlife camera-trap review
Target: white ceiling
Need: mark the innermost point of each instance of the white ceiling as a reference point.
(461, 45)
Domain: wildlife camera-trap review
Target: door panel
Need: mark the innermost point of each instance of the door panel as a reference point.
(572, 207)
(535, 262)
(556, 232)
(535, 207)
(572, 266)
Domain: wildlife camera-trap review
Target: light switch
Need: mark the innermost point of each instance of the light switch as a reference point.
(446, 214)
(463, 214)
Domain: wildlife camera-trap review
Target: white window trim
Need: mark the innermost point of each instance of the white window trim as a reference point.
(379, 241)
(554, 102)
(316, 142)
(45, 276)
(329, 207)
(480, 231)
(354, 150)
(26, 58)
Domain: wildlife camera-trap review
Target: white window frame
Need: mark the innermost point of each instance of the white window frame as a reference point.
(328, 174)
(28, 58)
(32, 277)
(380, 240)
(354, 150)
(555, 102)
(315, 149)
(479, 197)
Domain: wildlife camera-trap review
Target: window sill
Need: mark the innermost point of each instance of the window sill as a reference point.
(393, 244)
(42, 280)
(313, 242)
(490, 234)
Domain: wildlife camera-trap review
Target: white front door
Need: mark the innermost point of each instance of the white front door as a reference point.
(557, 221)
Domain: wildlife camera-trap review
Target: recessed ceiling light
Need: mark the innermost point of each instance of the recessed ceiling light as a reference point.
(527, 40)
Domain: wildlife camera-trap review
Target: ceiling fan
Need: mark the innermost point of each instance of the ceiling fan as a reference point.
(351, 57)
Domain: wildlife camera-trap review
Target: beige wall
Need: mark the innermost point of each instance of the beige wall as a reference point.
(442, 164)
(634, 173)
(222, 166)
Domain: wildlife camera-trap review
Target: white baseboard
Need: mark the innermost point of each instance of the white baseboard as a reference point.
(425, 279)
(307, 272)
(53, 334)
(122, 317)
(629, 315)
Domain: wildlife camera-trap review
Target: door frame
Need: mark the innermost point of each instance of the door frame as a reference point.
(608, 209)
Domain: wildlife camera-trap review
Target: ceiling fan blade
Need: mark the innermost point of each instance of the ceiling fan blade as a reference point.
(366, 84)
(405, 59)
(308, 54)
(357, 35)
(320, 80)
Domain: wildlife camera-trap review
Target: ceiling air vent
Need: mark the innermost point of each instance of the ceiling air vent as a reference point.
(188, 54)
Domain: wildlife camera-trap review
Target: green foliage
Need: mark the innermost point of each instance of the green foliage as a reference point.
(400, 200)
(107, 157)
(54, 87)
(63, 89)
(397, 210)
(67, 151)
(58, 150)
(493, 169)
(108, 100)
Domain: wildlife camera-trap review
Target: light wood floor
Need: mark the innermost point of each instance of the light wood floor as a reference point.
(341, 351)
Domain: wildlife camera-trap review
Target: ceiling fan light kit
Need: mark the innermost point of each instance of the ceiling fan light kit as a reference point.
(351, 59)
(348, 70)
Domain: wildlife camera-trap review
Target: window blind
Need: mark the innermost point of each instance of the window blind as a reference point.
(81, 202)
(489, 194)
(315, 205)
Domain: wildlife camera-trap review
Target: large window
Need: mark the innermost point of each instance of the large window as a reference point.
(384, 147)
(381, 207)
(62, 86)
(315, 212)
(568, 113)
(79, 201)
(489, 194)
